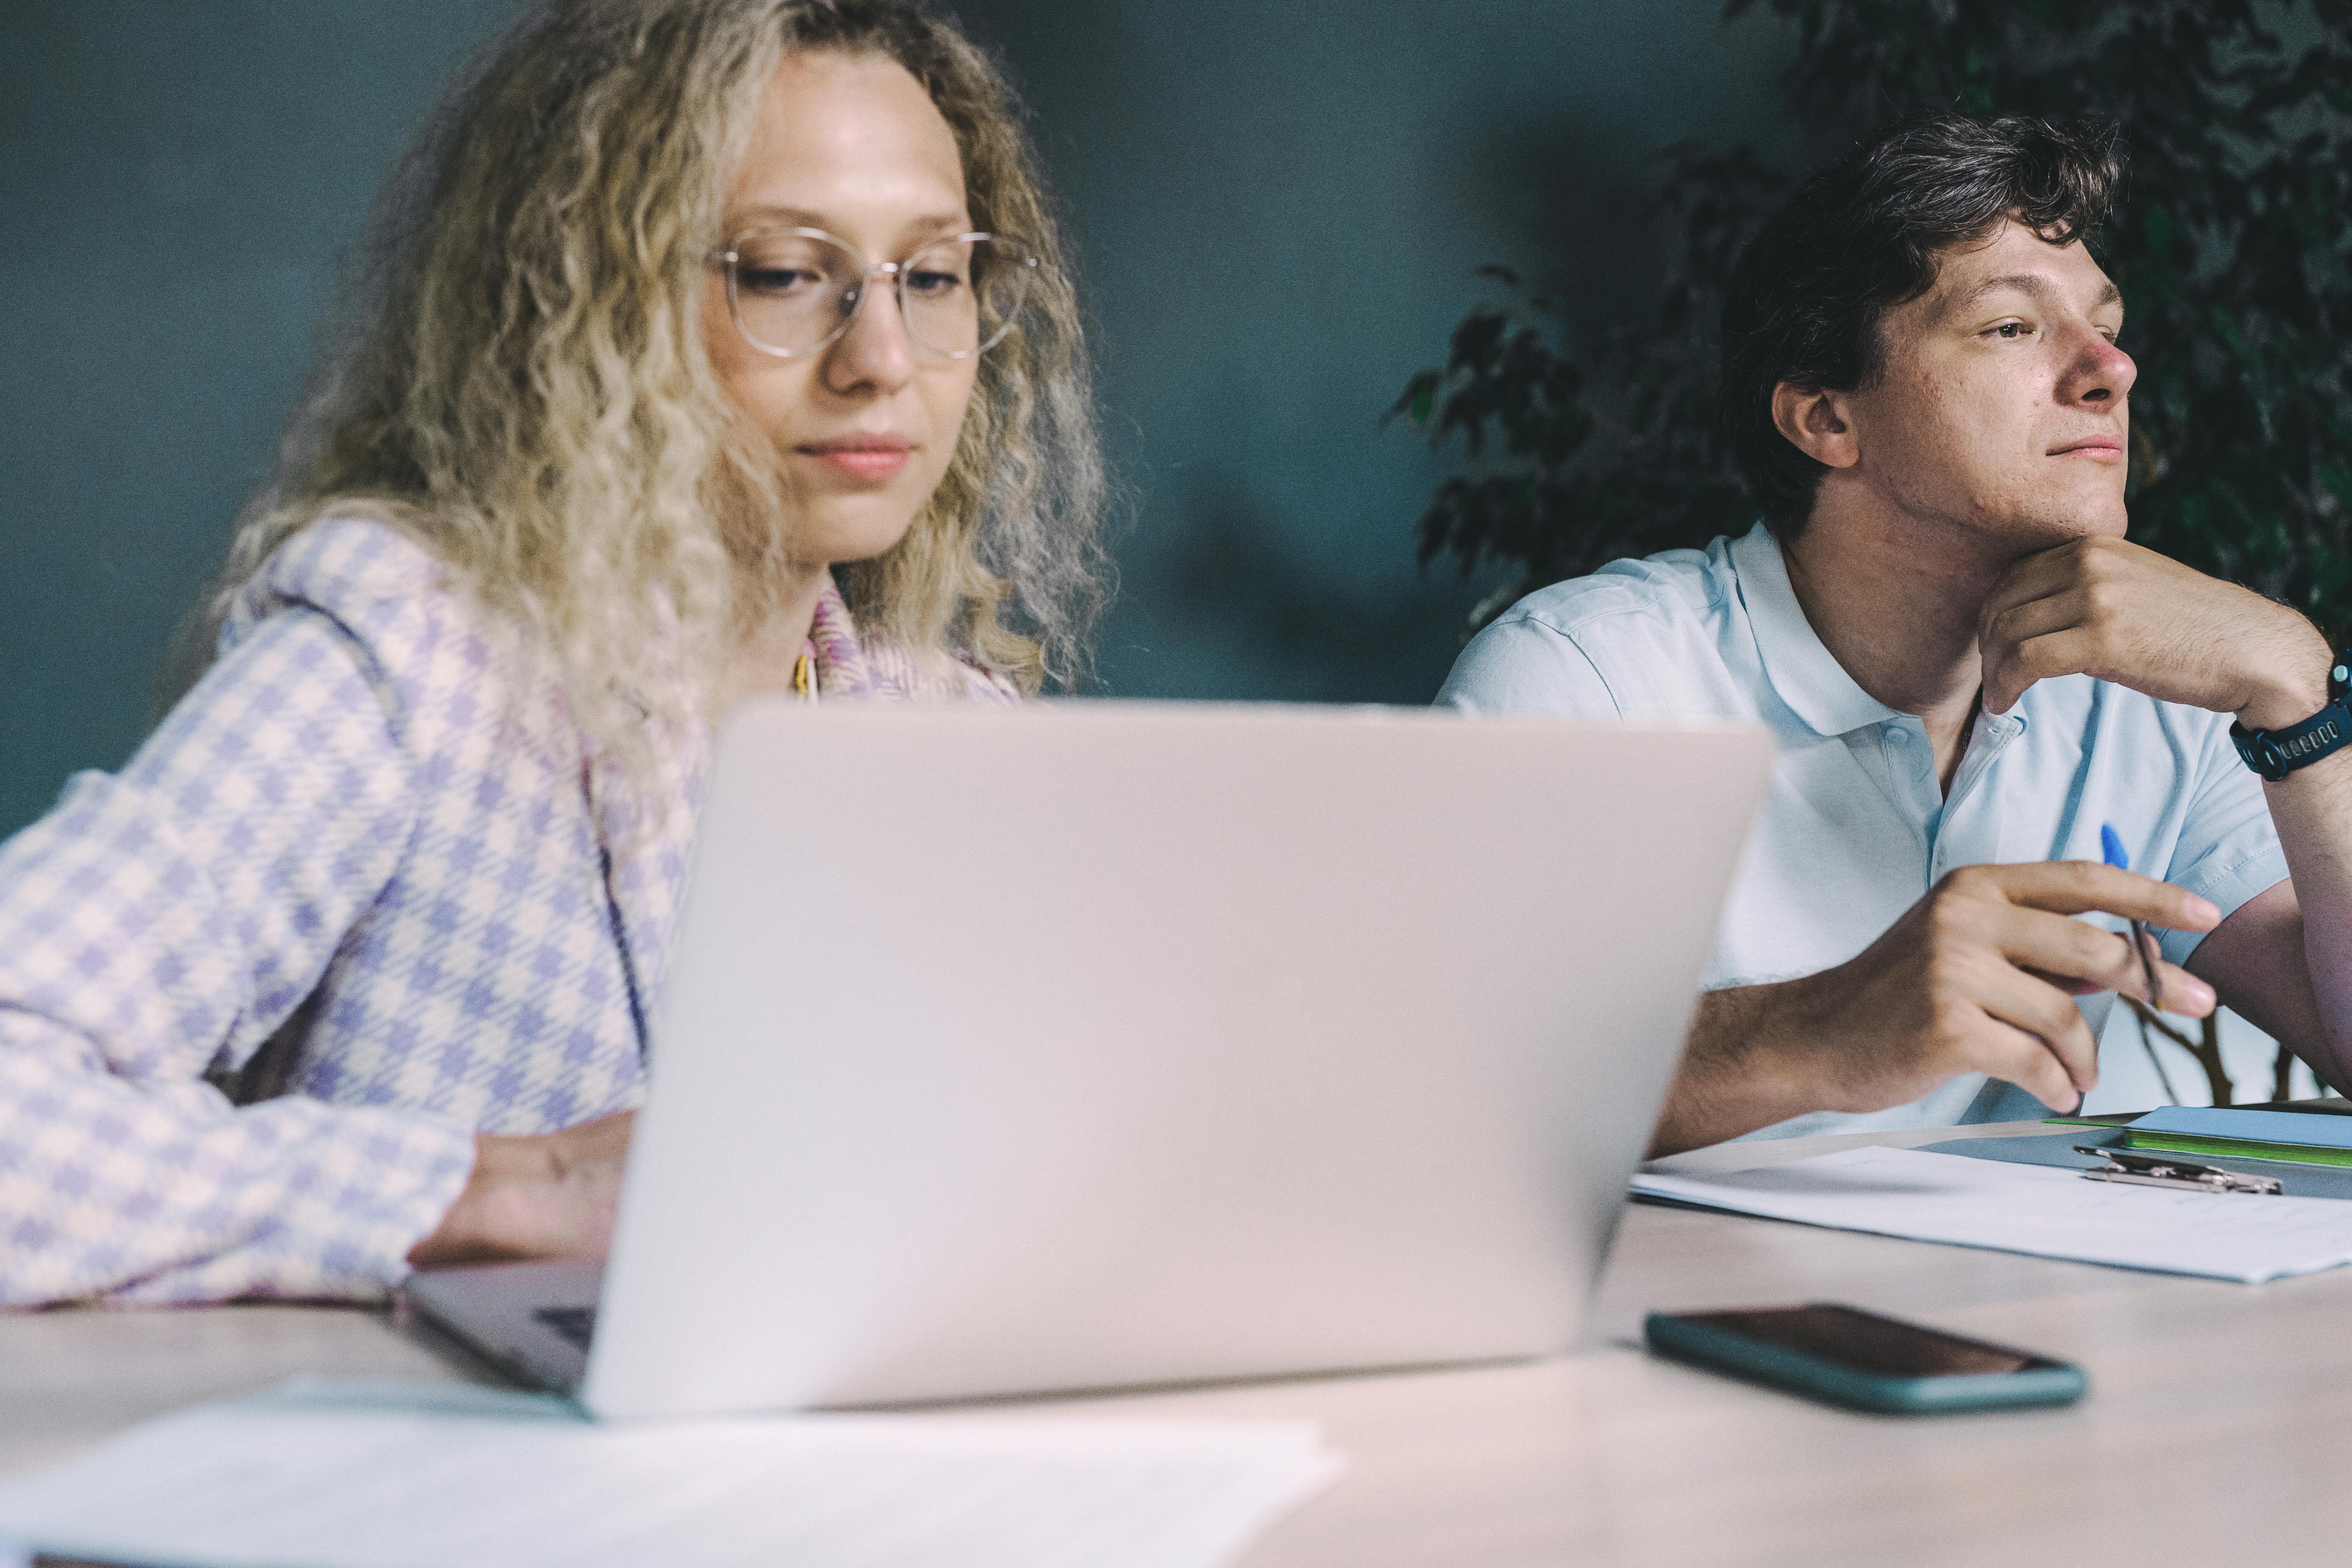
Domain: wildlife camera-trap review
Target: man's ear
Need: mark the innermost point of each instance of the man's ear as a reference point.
(1815, 421)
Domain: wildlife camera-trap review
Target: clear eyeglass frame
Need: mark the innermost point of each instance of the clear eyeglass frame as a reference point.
(1013, 252)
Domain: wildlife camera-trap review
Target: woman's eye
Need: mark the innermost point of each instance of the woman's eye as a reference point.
(778, 279)
(933, 285)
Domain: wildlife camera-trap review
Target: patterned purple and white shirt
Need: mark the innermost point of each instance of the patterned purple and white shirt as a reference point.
(346, 907)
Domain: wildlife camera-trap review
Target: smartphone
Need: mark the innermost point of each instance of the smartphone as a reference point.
(1866, 1362)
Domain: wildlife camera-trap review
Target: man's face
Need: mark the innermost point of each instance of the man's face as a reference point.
(2000, 407)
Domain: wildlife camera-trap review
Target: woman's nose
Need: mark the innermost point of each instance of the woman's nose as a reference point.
(876, 351)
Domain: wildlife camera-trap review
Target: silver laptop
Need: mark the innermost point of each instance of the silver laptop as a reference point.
(1099, 1045)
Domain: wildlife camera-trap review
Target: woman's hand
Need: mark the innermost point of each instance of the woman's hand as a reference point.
(535, 1198)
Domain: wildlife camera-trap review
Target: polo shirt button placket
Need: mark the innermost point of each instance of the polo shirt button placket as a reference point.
(1899, 736)
(1922, 769)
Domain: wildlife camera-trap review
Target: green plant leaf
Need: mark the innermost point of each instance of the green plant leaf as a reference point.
(2235, 253)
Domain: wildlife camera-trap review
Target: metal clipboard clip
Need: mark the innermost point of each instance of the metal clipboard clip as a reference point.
(2171, 1170)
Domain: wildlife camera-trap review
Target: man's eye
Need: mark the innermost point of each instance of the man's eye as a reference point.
(2011, 329)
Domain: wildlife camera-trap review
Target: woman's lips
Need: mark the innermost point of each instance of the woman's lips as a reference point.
(860, 459)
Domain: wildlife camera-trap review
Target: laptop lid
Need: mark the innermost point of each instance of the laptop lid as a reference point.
(1095, 1044)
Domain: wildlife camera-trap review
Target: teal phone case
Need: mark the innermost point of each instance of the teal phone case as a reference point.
(1800, 1373)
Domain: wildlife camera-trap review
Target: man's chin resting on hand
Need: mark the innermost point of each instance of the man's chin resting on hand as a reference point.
(1970, 671)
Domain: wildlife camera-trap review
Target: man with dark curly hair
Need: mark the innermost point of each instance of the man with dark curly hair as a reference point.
(1972, 673)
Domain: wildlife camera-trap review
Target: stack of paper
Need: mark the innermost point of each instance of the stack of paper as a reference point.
(320, 1475)
(2033, 1209)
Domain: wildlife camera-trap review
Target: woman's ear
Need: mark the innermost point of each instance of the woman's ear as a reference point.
(1815, 423)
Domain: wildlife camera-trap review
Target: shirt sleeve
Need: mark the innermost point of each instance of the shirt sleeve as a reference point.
(2228, 849)
(162, 923)
(1527, 665)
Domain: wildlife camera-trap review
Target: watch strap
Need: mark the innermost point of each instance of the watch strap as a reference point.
(2274, 754)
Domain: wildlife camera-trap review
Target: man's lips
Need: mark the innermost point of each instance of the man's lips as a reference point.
(861, 457)
(2098, 448)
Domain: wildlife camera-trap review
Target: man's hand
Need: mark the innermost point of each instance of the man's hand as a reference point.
(552, 1196)
(1977, 976)
(2111, 609)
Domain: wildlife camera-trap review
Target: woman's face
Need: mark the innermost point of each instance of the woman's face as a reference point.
(866, 426)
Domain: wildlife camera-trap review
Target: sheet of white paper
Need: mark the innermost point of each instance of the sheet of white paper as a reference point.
(349, 1475)
(2037, 1209)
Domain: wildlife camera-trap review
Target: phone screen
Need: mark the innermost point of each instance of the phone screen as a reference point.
(1868, 1343)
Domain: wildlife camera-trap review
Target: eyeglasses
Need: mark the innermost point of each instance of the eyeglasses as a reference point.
(793, 291)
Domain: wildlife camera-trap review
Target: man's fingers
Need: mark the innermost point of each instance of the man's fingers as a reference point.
(2049, 1015)
(2071, 650)
(2086, 887)
(2016, 623)
(2070, 950)
(2003, 635)
(2037, 577)
(2001, 1050)
(2178, 991)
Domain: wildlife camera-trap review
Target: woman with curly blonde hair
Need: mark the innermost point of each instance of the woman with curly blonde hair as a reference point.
(705, 347)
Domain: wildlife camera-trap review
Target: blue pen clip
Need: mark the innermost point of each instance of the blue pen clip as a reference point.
(2111, 845)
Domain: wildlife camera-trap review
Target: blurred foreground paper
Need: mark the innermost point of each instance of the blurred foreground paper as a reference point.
(374, 1475)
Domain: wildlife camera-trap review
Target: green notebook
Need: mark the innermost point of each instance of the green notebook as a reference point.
(2299, 1138)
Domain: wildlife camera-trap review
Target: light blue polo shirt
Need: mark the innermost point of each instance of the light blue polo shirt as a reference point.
(1855, 826)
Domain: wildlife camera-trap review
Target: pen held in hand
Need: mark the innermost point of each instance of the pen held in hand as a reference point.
(2112, 847)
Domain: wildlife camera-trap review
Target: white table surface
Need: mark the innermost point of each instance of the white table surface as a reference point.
(2218, 1429)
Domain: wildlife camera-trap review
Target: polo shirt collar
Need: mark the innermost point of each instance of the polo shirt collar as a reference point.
(1804, 674)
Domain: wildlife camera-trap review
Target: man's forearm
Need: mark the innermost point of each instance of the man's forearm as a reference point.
(2312, 810)
(2285, 965)
(1732, 1079)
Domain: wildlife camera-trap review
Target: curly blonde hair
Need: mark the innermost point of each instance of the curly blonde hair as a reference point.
(522, 387)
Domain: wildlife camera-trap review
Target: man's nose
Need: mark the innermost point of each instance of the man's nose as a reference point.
(2101, 374)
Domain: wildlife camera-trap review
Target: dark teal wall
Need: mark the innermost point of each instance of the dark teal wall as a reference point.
(1279, 206)
(1282, 207)
(176, 183)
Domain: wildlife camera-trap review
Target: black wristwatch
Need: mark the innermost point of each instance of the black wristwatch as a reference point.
(2274, 754)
